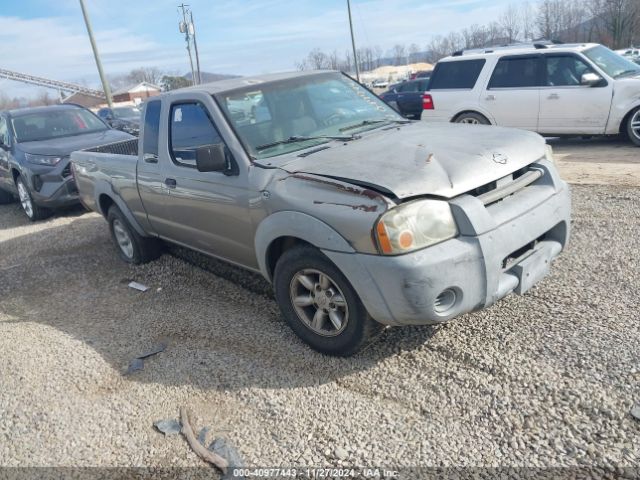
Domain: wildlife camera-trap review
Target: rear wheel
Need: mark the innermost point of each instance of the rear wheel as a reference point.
(132, 247)
(319, 303)
(472, 118)
(30, 208)
(633, 127)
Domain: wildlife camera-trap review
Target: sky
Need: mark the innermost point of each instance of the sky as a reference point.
(49, 39)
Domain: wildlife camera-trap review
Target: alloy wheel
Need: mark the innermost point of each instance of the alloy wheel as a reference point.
(319, 302)
(25, 199)
(635, 125)
(123, 238)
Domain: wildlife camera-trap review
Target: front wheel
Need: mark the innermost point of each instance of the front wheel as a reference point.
(633, 127)
(34, 212)
(319, 303)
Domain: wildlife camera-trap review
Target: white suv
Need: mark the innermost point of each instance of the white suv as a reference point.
(559, 89)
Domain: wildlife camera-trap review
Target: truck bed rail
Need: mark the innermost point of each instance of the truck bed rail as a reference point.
(124, 147)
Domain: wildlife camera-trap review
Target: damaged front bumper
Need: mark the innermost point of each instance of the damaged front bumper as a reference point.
(502, 248)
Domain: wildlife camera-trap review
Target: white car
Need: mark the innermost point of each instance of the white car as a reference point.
(560, 89)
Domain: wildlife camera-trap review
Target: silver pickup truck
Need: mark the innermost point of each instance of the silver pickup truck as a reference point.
(359, 217)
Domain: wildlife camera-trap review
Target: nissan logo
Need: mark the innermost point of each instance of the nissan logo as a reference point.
(500, 158)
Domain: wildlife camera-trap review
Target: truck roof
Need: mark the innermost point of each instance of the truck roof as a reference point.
(242, 82)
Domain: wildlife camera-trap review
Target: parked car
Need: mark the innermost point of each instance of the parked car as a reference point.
(35, 144)
(631, 53)
(126, 119)
(581, 89)
(408, 98)
(358, 219)
(379, 83)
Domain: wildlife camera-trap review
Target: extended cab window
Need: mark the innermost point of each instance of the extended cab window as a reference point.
(151, 129)
(190, 129)
(515, 72)
(461, 74)
(565, 70)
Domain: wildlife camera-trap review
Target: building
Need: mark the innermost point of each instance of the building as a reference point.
(85, 100)
(137, 93)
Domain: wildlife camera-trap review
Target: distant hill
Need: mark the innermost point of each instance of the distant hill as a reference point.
(207, 77)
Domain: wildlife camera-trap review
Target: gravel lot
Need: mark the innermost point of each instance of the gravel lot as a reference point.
(546, 379)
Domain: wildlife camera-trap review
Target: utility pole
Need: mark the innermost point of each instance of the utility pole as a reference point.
(105, 84)
(353, 42)
(195, 46)
(184, 28)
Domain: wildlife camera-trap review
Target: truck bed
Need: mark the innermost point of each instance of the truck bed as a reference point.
(106, 168)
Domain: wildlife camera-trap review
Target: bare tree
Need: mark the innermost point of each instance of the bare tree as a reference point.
(414, 53)
(145, 74)
(510, 22)
(399, 54)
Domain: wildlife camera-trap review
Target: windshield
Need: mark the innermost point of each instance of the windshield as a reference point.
(613, 64)
(55, 123)
(126, 112)
(280, 117)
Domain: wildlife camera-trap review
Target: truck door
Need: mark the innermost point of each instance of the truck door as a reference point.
(153, 192)
(568, 106)
(512, 96)
(208, 211)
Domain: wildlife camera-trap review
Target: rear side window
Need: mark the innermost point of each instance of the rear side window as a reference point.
(408, 87)
(191, 128)
(461, 74)
(151, 129)
(516, 73)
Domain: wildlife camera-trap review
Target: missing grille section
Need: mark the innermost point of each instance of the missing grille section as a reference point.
(495, 191)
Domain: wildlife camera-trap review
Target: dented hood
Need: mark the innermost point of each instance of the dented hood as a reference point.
(443, 160)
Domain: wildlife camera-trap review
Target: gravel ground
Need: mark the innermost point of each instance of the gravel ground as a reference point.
(546, 379)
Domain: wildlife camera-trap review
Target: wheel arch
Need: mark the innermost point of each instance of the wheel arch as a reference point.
(623, 124)
(477, 112)
(106, 197)
(283, 230)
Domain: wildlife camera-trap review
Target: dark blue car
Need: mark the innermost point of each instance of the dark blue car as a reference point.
(35, 145)
(408, 98)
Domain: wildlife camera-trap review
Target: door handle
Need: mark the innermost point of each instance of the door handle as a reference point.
(170, 182)
(490, 97)
(553, 96)
(150, 158)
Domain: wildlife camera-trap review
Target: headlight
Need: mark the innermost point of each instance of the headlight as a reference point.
(43, 159)
(415, 225)
(548, 154)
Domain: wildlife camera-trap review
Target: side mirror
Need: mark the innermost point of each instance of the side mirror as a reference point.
(590, 79)
(212, 158)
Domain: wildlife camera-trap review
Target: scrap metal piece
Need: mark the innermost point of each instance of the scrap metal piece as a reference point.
(635, 411)
(135, 365)
(153, 351)
(169, 426)
(138, 286)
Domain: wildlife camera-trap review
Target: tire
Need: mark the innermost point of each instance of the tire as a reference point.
(472, 118)
(6, 197)
(132, 247)
(341, 332)
(633, 127)
(33, 211)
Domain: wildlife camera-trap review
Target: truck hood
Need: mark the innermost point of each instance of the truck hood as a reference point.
(443, 160)
(63, 146)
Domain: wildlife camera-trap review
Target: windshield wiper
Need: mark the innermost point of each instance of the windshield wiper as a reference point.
(299, 138)
(365, 123)
(628, 72)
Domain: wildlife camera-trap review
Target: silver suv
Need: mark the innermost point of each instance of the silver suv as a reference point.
(552, 89)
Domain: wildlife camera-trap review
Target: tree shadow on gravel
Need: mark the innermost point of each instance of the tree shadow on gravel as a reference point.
(221, 324)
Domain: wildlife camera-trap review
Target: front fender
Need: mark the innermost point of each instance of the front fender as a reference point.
(298, 225)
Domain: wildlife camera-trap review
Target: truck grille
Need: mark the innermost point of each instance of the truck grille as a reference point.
(503, 187)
